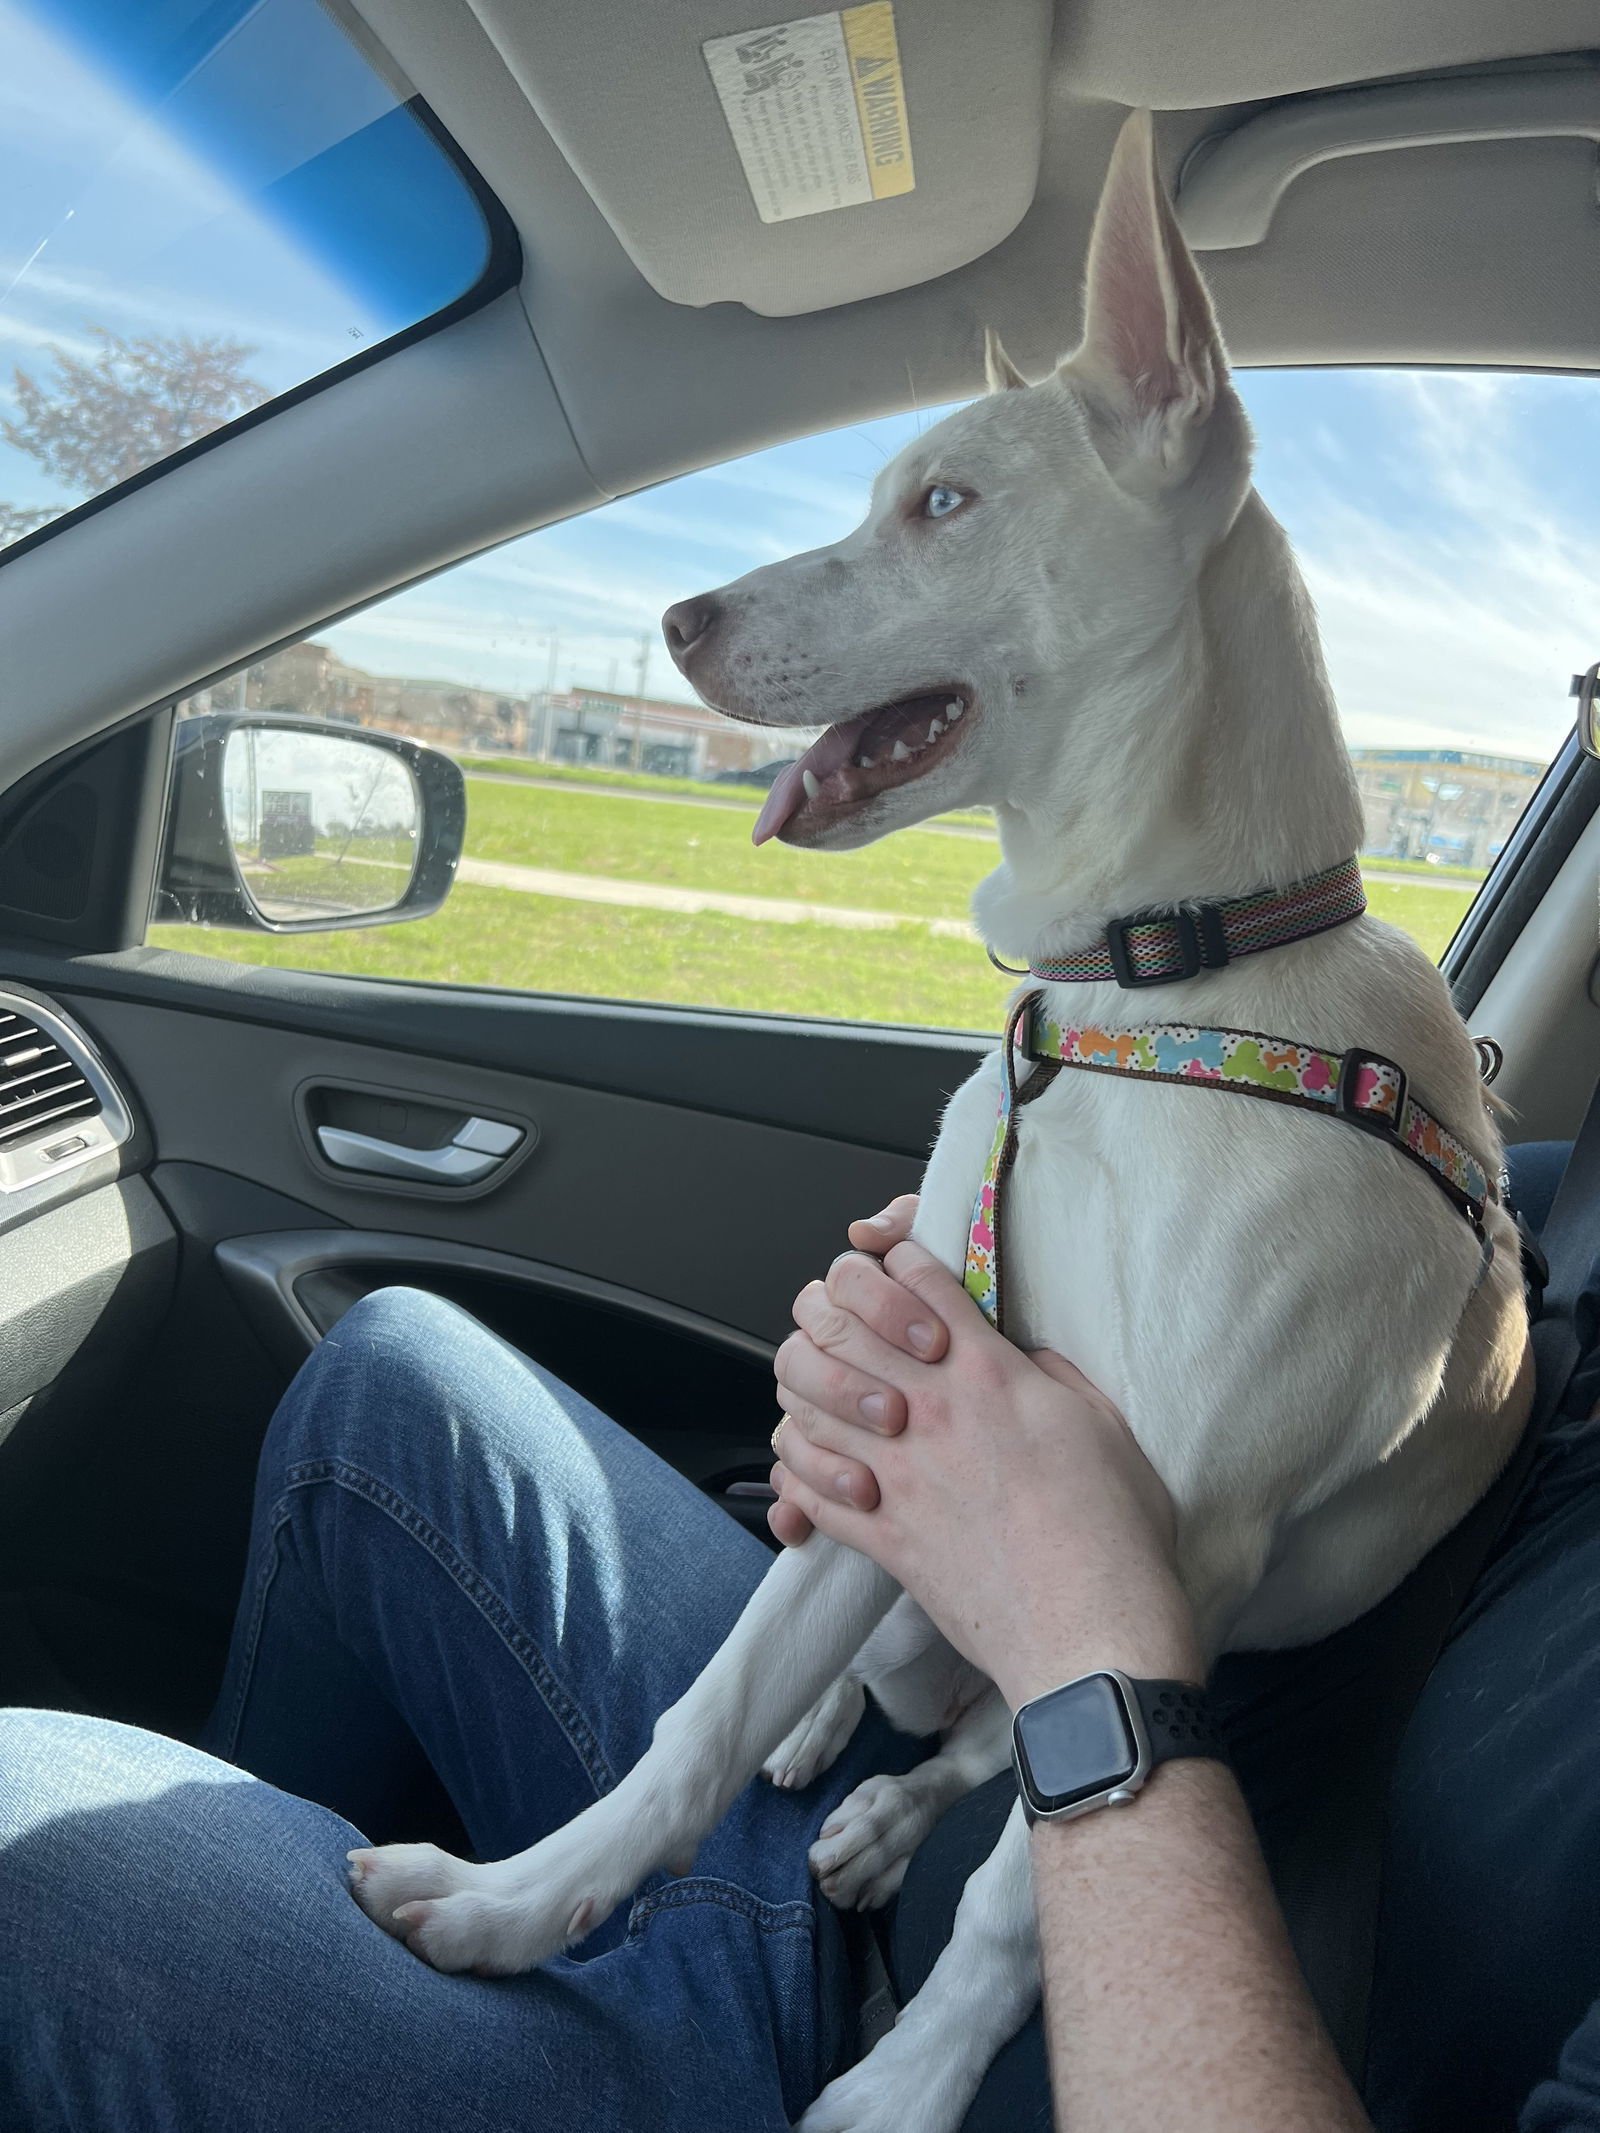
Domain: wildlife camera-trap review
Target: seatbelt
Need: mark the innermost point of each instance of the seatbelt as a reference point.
(1329, 1878)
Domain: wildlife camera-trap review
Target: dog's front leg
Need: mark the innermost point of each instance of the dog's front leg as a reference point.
(802, 1623)
(927, 2070)
(866, 1844)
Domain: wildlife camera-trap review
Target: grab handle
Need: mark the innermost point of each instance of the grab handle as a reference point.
(479, 1148)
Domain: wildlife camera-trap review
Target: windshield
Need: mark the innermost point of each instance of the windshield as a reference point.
(201, 207)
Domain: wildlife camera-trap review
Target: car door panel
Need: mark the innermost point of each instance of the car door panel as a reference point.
(722, 1216)
(682, 1175)
(697, 1392)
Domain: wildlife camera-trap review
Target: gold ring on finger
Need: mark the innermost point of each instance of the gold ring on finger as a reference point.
(776, 1434)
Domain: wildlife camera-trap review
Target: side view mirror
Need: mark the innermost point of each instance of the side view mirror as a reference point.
(283, 825)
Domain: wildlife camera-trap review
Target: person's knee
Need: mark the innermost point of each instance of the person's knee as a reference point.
(40, 1760)
(61, 1770)
(396, 1358)
(402, 1373)
(102, 1824)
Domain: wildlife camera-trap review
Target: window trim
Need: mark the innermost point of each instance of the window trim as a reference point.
(502, 270)
(1547, 829)
(869, 1084)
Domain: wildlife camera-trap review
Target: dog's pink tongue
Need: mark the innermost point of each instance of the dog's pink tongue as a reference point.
(788, 790)
(788, 794)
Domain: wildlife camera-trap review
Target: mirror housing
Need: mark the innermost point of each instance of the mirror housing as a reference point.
(201, 882)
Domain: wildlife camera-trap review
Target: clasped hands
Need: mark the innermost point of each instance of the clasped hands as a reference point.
(1001, 1489)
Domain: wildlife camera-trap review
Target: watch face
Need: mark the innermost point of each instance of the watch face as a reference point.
(1075, 1742)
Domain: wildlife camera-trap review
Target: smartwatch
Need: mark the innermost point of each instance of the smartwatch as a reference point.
(1094, 1742)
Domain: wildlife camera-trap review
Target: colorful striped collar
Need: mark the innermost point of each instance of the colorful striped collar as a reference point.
(1161, 947)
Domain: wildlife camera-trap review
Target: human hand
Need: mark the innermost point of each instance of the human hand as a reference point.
(873, 1236)
(1006, 1494)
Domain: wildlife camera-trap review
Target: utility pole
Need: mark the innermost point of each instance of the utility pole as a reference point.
(547, 729)
(642, 678)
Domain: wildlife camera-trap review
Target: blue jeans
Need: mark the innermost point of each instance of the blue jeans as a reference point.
(455, 1562)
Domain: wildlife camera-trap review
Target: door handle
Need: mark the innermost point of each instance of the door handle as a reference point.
(479, 1148)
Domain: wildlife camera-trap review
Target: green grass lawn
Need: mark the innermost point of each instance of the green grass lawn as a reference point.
(544, 944)
(1430, 916)
(296, 887)
(917, 872)
(503, 937)
(1422, 870)
(582, 774)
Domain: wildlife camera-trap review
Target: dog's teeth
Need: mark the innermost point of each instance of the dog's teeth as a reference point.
(810, 783)
(899, 753)
(936, 729)
(863, 762)
(954, 709)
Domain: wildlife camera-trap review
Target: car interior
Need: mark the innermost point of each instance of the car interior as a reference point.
(204, 1162)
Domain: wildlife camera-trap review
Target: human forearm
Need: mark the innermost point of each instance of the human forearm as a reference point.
(1172, 1997)
(1013, 1503)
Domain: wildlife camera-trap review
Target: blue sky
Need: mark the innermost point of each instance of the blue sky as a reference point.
(1443, 520)
(145, 192)
(1440, 520)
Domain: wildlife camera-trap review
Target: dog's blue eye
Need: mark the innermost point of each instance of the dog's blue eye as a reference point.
(941, 500)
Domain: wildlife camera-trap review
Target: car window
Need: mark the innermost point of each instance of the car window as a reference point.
(1440, 522)
(202, 205)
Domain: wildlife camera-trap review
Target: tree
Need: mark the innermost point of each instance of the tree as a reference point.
(14, 523)
(106, 416)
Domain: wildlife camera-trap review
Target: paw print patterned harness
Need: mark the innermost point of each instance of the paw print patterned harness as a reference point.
(1358, 1088)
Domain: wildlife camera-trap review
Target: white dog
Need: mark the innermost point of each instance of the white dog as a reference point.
(1068, 603)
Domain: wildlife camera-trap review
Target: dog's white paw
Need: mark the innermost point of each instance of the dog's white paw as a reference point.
(867, 2100)
(861, 1856)
(489, 1919)
(913, 2077)
(384, 1877)
(820, 1737)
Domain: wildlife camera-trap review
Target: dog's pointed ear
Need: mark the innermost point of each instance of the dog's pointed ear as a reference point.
(1000, 374)
(1151, 361)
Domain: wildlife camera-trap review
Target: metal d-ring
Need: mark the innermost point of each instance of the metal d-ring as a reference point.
(1010, 969)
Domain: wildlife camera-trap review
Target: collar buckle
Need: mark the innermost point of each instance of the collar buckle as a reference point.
(1202, 945)
(1386, 1123)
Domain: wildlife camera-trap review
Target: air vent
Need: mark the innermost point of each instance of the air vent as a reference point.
(40, 1086)
(60, 1110)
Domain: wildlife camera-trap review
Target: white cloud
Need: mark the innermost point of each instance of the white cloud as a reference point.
(1455, 607)
(27, 338)
(722, 532)
(121, 304)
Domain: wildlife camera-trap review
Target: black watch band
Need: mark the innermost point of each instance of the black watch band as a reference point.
(1177, 1717)
(1095, 1741)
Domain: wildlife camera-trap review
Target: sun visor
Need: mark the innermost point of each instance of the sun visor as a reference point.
(797, 163)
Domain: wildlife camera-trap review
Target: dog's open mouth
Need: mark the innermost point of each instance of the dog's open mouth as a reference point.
(855, 761)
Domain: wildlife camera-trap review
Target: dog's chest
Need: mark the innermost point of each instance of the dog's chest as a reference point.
(1064, 1241)
(1161, 1237)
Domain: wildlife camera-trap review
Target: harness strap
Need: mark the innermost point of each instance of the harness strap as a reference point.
(981, 1276)
(1362, 1089)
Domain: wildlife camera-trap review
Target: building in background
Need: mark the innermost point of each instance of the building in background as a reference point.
(1441, 803)
(595, 726)
(669, 740)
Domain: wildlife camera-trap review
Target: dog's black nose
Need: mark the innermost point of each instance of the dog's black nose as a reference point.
(687, 625)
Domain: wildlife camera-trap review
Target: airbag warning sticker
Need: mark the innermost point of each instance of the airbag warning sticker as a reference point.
(817, 110)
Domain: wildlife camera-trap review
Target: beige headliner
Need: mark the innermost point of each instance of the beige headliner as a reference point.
(589, 383)
(1482, 253)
